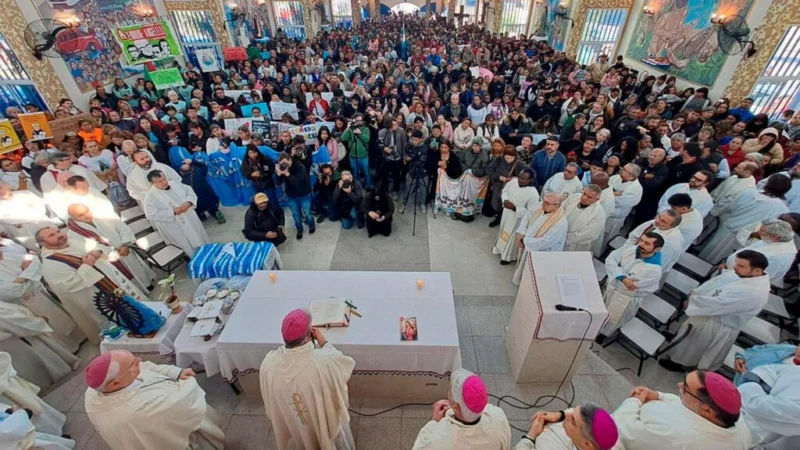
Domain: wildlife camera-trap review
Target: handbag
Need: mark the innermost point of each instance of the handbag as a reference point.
(341, 150)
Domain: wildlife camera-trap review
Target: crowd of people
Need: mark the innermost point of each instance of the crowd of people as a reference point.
(561, 156)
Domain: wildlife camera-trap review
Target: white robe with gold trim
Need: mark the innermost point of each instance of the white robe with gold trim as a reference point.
(492, 432)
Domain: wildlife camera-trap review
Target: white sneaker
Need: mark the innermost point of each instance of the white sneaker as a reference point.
(424, 210)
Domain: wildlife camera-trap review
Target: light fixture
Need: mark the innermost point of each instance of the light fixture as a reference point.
(648, 11)
(146, 12)
(718, 20)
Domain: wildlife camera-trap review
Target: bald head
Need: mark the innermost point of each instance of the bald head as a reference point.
(128, 146)
(80, 213)
(600, 179)
(112, 371)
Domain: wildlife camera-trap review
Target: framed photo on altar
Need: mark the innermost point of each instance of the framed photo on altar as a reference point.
(408, 329)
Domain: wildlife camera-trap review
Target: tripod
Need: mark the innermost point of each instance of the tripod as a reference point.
(413, 190)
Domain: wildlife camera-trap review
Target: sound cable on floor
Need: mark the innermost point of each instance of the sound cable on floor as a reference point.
(505, 398)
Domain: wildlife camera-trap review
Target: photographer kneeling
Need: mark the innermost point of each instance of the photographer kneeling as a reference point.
(264, 221)
(347, 197)
(323, 201)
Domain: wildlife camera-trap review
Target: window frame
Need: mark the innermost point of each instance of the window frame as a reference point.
(783, 89)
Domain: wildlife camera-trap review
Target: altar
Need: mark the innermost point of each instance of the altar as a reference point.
(386, 366)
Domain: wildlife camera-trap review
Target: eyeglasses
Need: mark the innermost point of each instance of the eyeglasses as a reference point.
(685, 389)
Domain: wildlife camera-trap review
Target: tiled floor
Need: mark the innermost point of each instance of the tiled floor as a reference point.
(484, 298)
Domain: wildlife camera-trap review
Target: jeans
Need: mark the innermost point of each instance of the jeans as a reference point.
(325, 206)
(295, 205)
(360, 169)
(347, 222)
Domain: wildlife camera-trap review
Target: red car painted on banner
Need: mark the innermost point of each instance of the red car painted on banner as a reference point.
(77, 41)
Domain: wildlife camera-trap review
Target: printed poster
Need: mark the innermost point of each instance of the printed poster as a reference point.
(166, 78)
(278, 109)
(61, 127)
(247, 110)
(36, 126)
(146, 42)
(207, 58)
(235, 95)
(9, 141)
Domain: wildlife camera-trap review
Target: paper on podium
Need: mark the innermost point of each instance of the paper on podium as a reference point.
(571, 291)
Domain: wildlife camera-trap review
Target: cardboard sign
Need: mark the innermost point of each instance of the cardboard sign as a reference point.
(247, 110)
(9, 141)
(167, 78)
(309, 132)
(146, 42)
(262, 127)
(207, 57)
(235, 95)
(60, 127)
(280, 108)
(234, 54)
(233, 124)
(36, 126)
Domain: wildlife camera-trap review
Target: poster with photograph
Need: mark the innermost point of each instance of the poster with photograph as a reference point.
(408, 329)
(36, 126)
(233, 124)
(147, 42)
(9, 141)
(261, 127)
(60, 127)
(207, 57)
(263, 111)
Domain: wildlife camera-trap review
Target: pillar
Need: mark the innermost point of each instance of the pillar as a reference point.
(355, 5)
(494, 25)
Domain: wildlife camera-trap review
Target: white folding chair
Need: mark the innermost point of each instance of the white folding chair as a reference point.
(657, 310)
(759, 331)
(140, 227)
(617, 242)
(600, 270)
(678, 285)
(727, 366)
(643, 341)
(150, 241)
(131, 214)
(694, 266)
(168, 258)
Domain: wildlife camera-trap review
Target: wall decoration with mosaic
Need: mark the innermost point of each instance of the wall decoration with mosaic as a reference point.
(41, 72)
(779, 17)
(213, 6)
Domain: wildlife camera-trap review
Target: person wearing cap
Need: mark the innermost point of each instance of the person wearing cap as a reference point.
(717, 311)
(264, 221)
(771, 404)
(466, 420)
(137, 405)
(304, 388)
(585, 427)
(705, 414)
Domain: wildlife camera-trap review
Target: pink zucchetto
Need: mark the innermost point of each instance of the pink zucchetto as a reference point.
(470, 393)
(604, 430)
(97, 371)
(723, 393)
(295, 325)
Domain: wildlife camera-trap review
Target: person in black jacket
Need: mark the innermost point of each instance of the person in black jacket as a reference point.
(260, 170)
(683, 167)
(347, 197)
(296, 184)
(324, 205)
(653, 179)
(572, 136)
(197, 138)
(264, 221)
(378, 209)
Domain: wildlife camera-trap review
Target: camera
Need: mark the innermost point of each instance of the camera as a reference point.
(347, 184)
(284, 166)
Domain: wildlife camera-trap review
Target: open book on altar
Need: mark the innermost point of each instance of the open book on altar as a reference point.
(332, 312)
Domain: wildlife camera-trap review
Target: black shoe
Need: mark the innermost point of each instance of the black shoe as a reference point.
(150, 288)
(504, 263)
(312, 229)
(300, 235)
(360, 224)
(600, 339)
(321, 218)
(202, 217)
(495, 222)
(672, 366)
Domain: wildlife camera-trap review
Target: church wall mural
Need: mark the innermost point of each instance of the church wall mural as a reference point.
(555, 28)
(96, 56)
(679, 38)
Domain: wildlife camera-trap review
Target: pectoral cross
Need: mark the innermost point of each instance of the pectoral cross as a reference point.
(297, 402)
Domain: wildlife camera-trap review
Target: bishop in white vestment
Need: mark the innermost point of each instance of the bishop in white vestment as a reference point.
(587, 426)
(654, 420)
(773, 417)
(170, 207)
(76, 274)
(665, 224)
(749, 207)
(304, 388)
(542, 230)
(16, 391)
(137, 184)
(627, 194)
(137, 405)
(21, 284)
(717, 311)
(466, 420)
(564, 183)
(776, 242)
(585, 219)
(111, 232)
(633, 272)
(519, 197)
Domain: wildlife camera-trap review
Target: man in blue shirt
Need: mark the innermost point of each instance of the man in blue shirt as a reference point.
(742, 113)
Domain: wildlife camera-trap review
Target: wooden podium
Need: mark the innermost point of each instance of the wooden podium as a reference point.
(541, 340)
